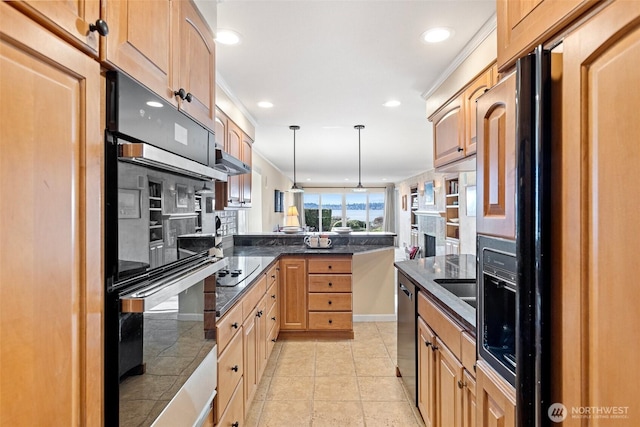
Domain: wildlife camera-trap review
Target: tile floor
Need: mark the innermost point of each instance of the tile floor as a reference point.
(334, 383)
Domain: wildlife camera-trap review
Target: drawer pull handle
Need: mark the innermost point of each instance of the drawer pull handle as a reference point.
(329, 302)
(236, 424)
(273, 296)
(234, 325)
(234, 368)
(273, 318)
(330, 321)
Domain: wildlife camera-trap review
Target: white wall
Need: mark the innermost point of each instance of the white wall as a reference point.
(374, 286)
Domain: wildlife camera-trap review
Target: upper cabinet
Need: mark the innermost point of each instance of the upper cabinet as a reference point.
(196, 65)
(454, 124)
(496, 160)
(236, 192)
(76, 21)
(245, 189)
(168, 47)
(523, 24)
(140, 42)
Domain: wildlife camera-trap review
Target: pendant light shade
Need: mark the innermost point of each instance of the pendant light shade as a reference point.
(359, 188)
(294, 187)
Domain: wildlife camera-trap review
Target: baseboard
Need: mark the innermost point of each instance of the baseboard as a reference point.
(374, 318)
(191, 317)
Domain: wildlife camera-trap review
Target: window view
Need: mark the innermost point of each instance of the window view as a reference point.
(360, 211)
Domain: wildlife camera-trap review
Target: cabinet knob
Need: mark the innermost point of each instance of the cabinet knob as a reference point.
(100, 26)
(427, 343)
(273, 296)
(460, 149)
(330, 321)
(235, 368)
(434, 347)
(273, 339)
(273, 318)
(234, 325)
(273, 276)
(461, 384)
(188, 97)
(329, 267)
(259, 314)
(330, 284)
(236, 424)
(329, 302)
(180, 93)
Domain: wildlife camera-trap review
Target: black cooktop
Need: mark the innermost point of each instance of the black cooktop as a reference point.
(238, 270)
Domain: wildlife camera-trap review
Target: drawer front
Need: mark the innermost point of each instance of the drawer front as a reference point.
(230, 370)
(468, 352)
(448, 331)
(227, 326)
(255, 294)
(329, 283)
(272, 275)
(329, 265)
(330, 302)
(235, 410)
(272, 296)
(331, 320)
(273, 317)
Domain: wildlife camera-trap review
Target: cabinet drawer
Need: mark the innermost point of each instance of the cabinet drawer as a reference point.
(329, 265)
(272, 296)
(331, 320)
(255, 294)
(272, 276)
(230, 370)
(329, 283)
(235, 410)
(272, 337)
(227, 326)
(330, 302)
(272, 317)
(448, 331)
(468, 349)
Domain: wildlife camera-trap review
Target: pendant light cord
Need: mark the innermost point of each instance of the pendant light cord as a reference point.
(359, 127)
(294, 128)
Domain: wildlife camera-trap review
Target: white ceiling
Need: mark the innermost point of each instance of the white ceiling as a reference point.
(329, 65)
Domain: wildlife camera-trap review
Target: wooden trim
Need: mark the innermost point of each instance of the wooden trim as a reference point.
(296, 335)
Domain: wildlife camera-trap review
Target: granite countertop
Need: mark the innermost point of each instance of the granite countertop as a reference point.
(309, 233)
(424, 271)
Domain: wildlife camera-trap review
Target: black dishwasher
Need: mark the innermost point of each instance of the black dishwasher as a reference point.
(407, 357)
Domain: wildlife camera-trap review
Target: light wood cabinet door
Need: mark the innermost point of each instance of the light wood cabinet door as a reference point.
(196, 65)
(250, 350)
(468, 400)
(140, 42)
(51, 274)
(496, 160)
(448, 387)
(598, 219)
(448, 133)
(523, 24)
(293, 294)
(220, 129)
(247, 149)
(471, 94)
(233, 147)
(495, 399)
(69, 19)
(426, 373)
(261, 337)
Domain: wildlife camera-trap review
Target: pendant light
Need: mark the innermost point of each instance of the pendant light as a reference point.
(294, 187)
(359, 188)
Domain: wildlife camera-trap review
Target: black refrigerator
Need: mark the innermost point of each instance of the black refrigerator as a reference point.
(535, 122)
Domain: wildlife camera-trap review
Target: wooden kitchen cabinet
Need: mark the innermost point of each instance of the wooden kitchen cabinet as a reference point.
(523, 24)
(293, 293)
(448, 132)
(255, 348)
(496, 160)
(70, 20)
(469, 408)
(449, 376)
(426, 373)
(245, 179)
(479, 86)
(236, 192)
(52, 279)
(333, 310)
(495, 398)
(597, 225)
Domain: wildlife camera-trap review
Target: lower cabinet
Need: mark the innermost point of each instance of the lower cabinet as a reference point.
(446, 390)
(245, 335)
(293, 293)
(496, 398)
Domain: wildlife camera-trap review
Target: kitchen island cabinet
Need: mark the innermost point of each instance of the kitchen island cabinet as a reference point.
(496, 399)
(51, 275)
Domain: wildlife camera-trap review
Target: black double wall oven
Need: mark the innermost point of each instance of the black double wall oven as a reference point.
(158, 165)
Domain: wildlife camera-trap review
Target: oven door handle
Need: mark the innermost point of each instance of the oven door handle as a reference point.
(156, 293)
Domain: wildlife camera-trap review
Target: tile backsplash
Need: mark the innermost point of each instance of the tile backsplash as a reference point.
(228, 222)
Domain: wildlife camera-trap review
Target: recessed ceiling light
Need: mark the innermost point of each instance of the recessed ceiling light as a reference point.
(346, 179)
(436, 35)
(154, 104)
(392, 103)
(308, 179)
(227, 37)
(265, 104)
(384, 179)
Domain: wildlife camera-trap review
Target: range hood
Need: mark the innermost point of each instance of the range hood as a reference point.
(230, 165)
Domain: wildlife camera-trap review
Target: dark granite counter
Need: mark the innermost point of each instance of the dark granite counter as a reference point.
(281, 239)
(301, 249)
(424, 271)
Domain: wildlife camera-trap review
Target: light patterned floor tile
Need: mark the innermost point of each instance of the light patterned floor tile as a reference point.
(288, 388)
(388, 414)
(375, 367)
(381, 389)
(336, 388)
(331, 414)
(279, 413)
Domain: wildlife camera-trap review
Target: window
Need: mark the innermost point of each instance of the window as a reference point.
(360, 211)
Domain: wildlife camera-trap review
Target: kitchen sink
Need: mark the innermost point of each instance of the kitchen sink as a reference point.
(465, 289)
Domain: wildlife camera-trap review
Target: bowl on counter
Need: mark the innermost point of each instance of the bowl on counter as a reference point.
(342, 230)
